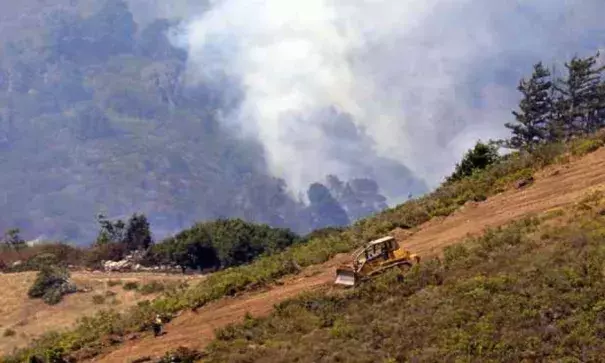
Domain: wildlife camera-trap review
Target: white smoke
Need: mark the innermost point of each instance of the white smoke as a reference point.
(421, 79)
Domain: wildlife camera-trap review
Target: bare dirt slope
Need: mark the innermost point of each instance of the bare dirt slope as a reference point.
(554, 187)
(29, 318)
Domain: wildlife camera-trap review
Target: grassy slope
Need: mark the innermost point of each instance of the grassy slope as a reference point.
(531, 291)
(87, 336)
(25, 319)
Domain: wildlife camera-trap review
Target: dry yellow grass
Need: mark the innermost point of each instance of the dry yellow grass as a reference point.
(29, 318)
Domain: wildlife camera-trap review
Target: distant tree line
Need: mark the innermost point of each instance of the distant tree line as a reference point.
(221, 244)
(208, 245)
(118, 238)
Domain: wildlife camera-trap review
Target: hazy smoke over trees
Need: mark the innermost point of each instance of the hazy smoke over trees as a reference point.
(411, 82)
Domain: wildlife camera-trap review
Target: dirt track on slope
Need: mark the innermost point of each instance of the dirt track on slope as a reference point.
(554, 187)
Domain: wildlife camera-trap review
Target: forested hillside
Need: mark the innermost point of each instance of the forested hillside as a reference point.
(97, 116)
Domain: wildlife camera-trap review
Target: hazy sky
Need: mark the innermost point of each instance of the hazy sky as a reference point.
(421, 80)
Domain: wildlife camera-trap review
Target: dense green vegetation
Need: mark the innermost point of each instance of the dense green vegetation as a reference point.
(222, 243)
(532, 290)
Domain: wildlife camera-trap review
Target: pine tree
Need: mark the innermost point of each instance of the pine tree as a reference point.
(582, 101)
(558, 128)
(535, 110)
(138, 233)
(13, 239)
(110, 232)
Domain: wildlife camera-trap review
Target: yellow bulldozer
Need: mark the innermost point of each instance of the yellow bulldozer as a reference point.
(374, 258)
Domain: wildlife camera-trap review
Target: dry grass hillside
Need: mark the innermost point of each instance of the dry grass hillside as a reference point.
(22, 319)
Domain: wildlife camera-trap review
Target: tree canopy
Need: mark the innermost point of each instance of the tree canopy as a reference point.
(559, 108)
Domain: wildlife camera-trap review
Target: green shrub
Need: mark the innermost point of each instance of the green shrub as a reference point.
(181, 355)
(45, 259)
(476, 159)
(454, 254)
(131, 285)
(152, 287)
(591, 200)
(112, 283)
(548, 154)
(507, 181)
(582, 147)
(98, 299)
(52, 282)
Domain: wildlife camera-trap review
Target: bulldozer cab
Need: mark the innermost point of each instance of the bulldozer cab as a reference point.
(380, 248)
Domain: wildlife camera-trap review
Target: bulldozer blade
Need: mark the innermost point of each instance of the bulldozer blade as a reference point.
(345, 277)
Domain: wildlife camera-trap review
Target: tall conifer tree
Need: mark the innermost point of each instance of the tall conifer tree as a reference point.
(535, 110)
(582, 101)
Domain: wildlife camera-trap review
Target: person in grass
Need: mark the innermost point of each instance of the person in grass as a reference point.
(157, 325)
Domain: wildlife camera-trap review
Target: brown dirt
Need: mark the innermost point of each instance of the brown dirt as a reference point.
(554, 187)
(30, 318)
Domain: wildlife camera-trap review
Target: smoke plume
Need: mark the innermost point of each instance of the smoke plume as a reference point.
(345, 86)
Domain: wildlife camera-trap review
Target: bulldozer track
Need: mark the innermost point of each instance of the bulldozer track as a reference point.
(554, 187)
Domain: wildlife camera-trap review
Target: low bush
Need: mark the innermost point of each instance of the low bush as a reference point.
(112, 283)
(98, 299)
(131, 285)
(51, 284)
(586, 146)
(181, 355)
(152, 288)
